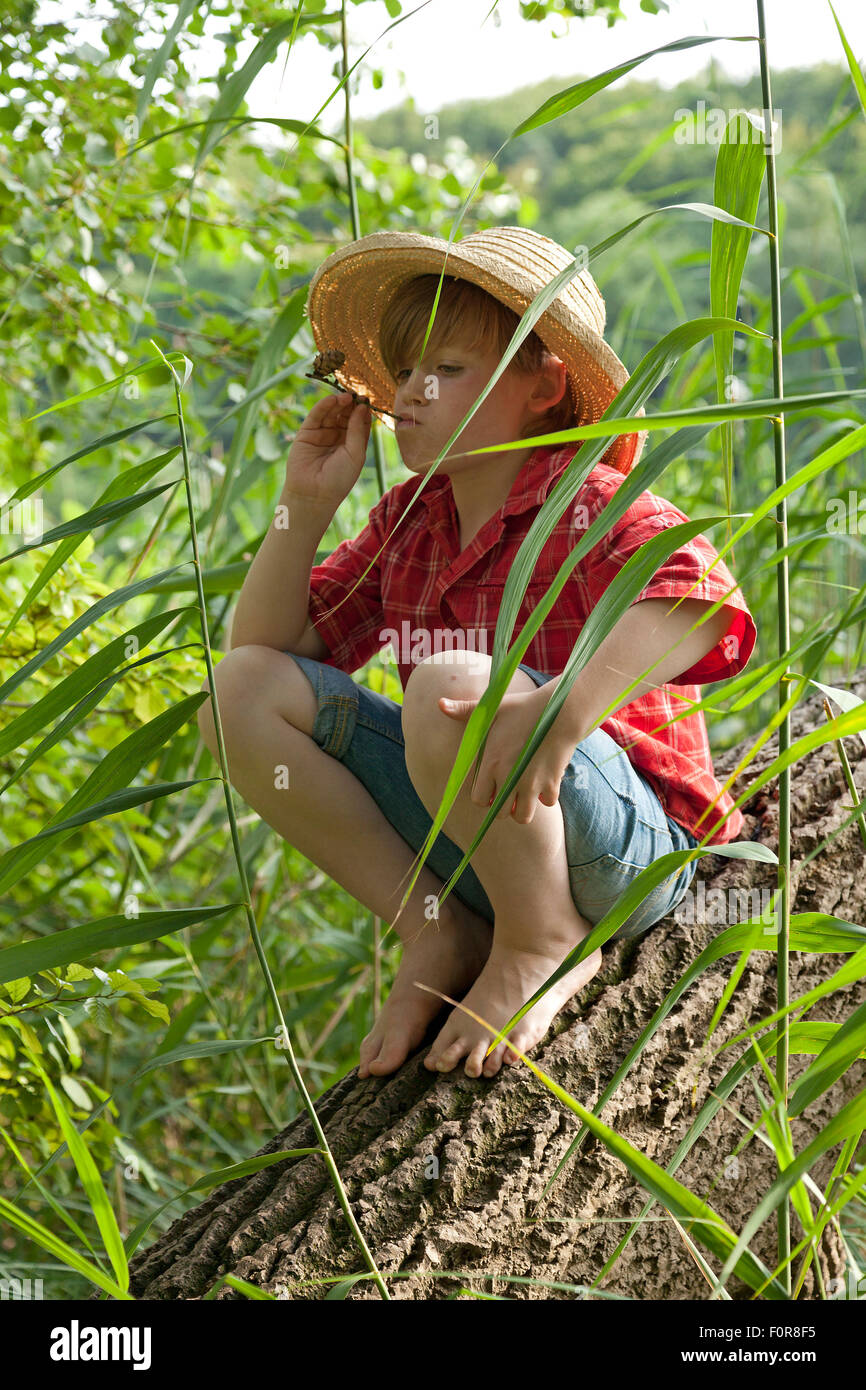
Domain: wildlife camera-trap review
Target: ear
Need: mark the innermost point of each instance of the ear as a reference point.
(550, 386)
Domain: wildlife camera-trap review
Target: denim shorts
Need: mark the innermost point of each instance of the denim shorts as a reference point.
(615, 825)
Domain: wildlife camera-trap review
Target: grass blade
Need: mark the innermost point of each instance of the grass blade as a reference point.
(93, 1185)
(118, 766)
(85, 678)
(102, 934)
(81, 623)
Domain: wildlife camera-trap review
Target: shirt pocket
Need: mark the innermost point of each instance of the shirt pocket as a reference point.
(492, 590)
(478, 607)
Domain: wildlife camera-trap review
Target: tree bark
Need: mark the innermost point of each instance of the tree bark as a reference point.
(444, 1172)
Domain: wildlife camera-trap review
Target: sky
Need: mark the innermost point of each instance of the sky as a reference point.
(449, 50)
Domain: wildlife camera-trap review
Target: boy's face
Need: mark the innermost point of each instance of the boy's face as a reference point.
(437, 395)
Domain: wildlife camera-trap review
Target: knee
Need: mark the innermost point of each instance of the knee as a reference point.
(238, 676)
(460, 675)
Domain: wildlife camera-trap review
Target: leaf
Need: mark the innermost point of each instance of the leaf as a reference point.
(843, 1049)
(212, 1048)
(161, 56)
(245, 1287)
(850, 1120)
(97, 516)
(281, 122)
(340, 1290)
(149, 365)
(610, 425)
(99, 1013)
(235, 89)
(47, 1240)
(69, 946)
(223, 579)
(86, 677)
(78, 972)
(154, 1007)
(16, 862)
(562, 102)
(853, 970)
(716, 214)
(104, 442)
(27, 1034)
(272, 351)
(93, 1186)
(740, 165)
(75, 1091)
(96, 610)
(121, 487)
(845, 699)
(856, 75)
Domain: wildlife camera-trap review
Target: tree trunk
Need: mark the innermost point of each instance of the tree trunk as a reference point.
(443, 1172)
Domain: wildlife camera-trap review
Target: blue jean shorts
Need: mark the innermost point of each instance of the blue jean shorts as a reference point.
(615, 825)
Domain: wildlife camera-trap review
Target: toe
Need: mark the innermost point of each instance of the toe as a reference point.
(392, 1052)
(450, 1056)
(495, 1060)
(524, 1041)
(368, 1052)
(475, 1061)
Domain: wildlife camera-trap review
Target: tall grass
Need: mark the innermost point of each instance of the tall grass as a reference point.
(109, 789)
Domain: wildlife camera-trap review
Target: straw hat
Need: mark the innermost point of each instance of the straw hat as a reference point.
(352, 287)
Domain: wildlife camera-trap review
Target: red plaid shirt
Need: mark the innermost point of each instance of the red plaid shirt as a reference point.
(423, 584)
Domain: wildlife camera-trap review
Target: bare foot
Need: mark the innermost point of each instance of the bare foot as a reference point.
(446, 955)
(510, 977)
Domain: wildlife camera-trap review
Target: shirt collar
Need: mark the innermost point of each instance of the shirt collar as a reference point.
(530, 488)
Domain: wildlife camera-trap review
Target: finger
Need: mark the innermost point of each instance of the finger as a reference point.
(359, 420)
(483, 791)
(329, 405)
(329, 413)
(339, 405)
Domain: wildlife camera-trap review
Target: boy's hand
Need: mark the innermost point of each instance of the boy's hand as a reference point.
(328, 452)
(514, 721)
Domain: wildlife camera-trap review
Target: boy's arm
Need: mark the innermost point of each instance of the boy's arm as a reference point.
(648, 632)
(652, 629)
(272, 608)
(310, 643)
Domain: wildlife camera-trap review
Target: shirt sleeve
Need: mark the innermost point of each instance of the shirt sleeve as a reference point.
(679, 575)
(354, 629)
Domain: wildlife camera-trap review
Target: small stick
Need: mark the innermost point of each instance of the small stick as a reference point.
(325, 364)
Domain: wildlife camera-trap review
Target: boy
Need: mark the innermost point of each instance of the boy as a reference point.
(595, 805)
